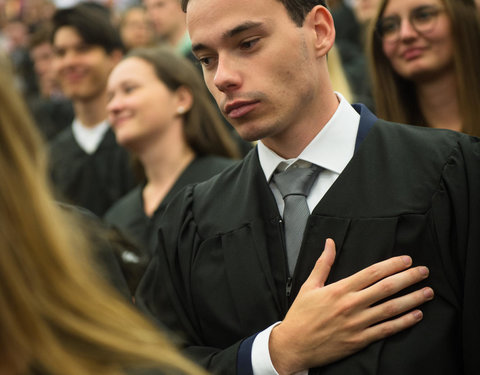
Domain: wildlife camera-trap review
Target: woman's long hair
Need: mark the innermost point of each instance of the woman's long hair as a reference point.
(56, 315)
(396, 98)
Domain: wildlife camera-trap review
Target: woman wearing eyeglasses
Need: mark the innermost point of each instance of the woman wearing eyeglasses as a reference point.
(425, 63)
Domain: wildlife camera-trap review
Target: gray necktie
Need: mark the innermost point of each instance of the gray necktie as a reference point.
(294, 185)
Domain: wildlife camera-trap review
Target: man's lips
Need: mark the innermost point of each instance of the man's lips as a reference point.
(239, 108)
(71, 75)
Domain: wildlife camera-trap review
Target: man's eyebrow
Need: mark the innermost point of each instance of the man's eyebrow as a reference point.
(230, 33)
(240, 28)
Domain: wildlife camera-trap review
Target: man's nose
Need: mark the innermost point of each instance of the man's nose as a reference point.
(227, 76)
(68, 58)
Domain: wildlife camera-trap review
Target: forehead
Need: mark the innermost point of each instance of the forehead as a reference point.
(67, 35)
(209, 19)
(42, 48)
(399, 6)
(157, 3)
(133, 68)
(134, 13)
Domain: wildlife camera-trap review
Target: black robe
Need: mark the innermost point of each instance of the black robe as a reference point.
(52, 116)
(128, 215)
(93, 181)
(219, 275)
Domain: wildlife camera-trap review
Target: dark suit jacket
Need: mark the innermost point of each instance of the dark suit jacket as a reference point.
(219, 275)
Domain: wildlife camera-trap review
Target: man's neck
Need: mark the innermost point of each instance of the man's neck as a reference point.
(91, 112)
(289, 144)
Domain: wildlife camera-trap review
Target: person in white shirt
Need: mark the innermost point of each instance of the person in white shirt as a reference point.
(88, 168)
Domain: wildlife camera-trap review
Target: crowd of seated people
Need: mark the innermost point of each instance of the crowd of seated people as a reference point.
(109, 118)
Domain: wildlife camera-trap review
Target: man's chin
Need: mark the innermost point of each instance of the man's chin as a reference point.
(81, 96)
(250, 134)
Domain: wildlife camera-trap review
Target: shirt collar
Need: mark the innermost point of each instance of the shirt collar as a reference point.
(332, 148)
(89, 138)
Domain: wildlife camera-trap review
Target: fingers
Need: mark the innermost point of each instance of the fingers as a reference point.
(378, 271)
(397, 306)
(322, 267)
(393, 284)
(391, 327)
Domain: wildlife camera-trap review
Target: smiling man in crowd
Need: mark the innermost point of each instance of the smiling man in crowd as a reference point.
(88, 168)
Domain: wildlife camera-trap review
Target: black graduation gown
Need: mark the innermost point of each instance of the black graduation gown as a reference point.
(94, 181)
(52, 116)
(219, 275)
(128, 216)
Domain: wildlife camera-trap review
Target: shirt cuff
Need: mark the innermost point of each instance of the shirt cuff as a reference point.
(261, 361)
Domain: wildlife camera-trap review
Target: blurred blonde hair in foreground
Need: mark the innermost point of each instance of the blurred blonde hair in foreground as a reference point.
(56, 315)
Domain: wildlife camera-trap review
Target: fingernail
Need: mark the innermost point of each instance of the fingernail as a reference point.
(428, 293)
(407, 260)
(423, 271)
(417, 314)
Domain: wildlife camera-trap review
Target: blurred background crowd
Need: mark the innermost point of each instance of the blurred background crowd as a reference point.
(115, 92)
(25, 46)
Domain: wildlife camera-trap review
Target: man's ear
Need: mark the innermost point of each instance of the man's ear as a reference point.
(320, 21)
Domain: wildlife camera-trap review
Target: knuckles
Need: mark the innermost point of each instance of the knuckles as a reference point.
(390, 309)
(388, 287)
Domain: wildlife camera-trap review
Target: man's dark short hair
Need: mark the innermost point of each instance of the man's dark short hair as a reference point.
(41, 35)
(297, 9)
(92, 22)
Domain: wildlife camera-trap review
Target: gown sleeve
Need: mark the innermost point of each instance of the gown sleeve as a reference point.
(456, 212)
(165, 293)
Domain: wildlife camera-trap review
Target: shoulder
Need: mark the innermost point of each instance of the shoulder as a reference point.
(64, 149)
(211, 165)
(419, 141)
(220, 203)
(222, 186)
(123, 209)
(63, 138)
(231, 173)
(411, 156)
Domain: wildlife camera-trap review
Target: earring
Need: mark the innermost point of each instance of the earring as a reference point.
(181, 110)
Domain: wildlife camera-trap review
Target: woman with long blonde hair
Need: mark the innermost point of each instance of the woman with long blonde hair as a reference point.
(57, 316)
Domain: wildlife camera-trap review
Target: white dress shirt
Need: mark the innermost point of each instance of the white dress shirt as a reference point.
(89, 138)
(331, 149)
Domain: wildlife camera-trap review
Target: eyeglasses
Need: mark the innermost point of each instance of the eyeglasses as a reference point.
(423, 19)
